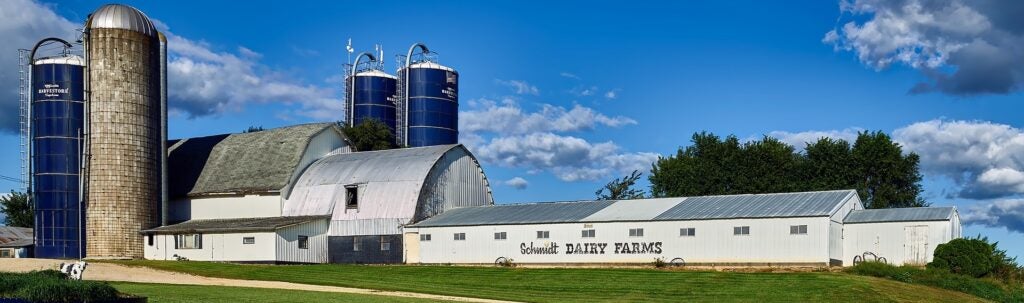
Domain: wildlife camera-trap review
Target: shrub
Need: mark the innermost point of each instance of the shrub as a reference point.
(660, 263)
(942, 278)
(973, 257)
(53, 286)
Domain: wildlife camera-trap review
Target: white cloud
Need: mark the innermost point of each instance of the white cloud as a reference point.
(986, 159)
(569, 75)
(517, 183)
(963, 47)
(612, 94)
(1002, 213)
(519, 86)
(568, 158)
(22, 24)
(507, 117)
(203, 81)
(584, 91)
(799, 140)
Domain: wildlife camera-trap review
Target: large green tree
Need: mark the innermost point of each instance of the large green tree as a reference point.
(18, 209)
(620, 189)
(874, 165)
(368, 135)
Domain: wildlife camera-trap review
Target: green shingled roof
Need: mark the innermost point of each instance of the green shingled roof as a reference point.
(238, 163)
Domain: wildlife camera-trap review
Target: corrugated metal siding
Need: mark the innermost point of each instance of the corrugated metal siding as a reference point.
(364, 227)
(287, 243)
(890, 239)
(806, 204)
(328, 140)
(455, 181)
(900, 214)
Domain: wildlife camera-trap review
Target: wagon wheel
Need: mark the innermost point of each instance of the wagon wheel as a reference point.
(499, 261)
(677, 262)
(857, 260)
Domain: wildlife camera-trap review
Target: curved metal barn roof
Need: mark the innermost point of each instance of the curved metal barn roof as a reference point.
(121, 17)
(391, 180)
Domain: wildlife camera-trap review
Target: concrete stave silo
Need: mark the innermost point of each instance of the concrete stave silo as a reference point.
(57, 123)
(125, 131)
(430, 101)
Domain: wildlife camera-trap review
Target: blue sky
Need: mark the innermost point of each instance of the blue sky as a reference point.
(558, 98)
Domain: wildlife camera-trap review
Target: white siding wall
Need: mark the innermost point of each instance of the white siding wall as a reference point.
(288, 244)
(250, 206)
(216, 247)
(769, 242)
(319, 146)
(889, 240)
(835, 247)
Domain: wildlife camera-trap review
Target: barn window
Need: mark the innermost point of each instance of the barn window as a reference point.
(460, 236)
(356, 244)
(249, 240)
(500, 236)
(425, 237)
(636, 232)
(188, 241)
(385, 243)
(687, 232)
(589, 233)
(303, 242)
(352, 196)
(543, 234)
(798, 229)
(149, 239)
(741, 230)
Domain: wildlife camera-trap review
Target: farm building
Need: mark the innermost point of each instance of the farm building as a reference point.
(791, 229)
(15, 242)
(300, 195)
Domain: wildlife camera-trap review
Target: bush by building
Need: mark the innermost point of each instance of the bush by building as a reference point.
(54, 286)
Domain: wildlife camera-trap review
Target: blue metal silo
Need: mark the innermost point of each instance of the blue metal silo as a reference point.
(431, 93)
(57, 113)
(373, 93)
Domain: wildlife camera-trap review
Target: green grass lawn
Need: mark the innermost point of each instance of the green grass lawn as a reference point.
(564, 285)
(166, 293)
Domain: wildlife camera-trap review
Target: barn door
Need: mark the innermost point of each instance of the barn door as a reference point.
(916, 245)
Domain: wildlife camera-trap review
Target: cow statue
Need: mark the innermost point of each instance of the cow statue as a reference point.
(74, 270)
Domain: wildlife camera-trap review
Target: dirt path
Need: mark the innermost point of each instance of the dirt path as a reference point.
(115, 272)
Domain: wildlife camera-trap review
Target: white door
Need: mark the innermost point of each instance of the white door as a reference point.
(916, 246)
(411, 244)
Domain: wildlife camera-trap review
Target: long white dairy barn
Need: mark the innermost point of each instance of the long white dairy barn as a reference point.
(828, 228)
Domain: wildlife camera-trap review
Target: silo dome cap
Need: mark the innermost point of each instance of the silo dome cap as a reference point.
(122, 17)
(375, 73)
(431, 65)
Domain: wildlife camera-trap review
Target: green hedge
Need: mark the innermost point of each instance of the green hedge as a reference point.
(53, 286)
(991, 289)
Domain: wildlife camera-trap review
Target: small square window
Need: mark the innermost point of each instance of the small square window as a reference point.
(500, 236)
(460, 236)
(636, 232)
(385, 243)
(249, 240)
(351, 196)
(589, 233)
(741, 230)
(543, 234)
(687, 232)
(303, 242)
(425, 237)
(798, 229)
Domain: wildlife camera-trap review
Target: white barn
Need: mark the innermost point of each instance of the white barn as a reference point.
(791, 229)
(901, 236)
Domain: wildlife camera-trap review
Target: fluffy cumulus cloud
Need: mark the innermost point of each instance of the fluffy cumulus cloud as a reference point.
(519, 87)
(1002, 213)
(517, 183)
(203, 81)
(799, 140)
(963, 47)
(508, 117)
(505, 134)
(22, 24)
(986, 159)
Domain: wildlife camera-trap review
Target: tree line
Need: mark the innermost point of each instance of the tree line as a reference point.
(873, 164)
